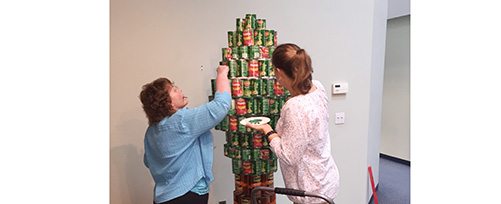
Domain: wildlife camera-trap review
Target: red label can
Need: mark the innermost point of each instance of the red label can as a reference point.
(241, 108)
(253, 68)
(248, 36)
(236, 88)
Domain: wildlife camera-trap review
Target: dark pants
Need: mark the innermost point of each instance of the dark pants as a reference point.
(190, 197)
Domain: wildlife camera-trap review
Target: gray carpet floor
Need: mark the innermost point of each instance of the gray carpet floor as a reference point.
(394, 182)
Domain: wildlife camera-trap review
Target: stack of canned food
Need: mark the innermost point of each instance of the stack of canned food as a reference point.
(255, 92)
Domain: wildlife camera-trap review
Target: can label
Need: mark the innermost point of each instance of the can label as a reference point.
(213, 87)
(259, 37)
(233, 67)
(253, 68)
(265, 154)
(243, 68)
(273, 106)
(236, 165)
(233, 137)
(234, 53)
(247, 168)
(264, 52)
(281, 103)
(265, 106)
(233, 124)
(255, 154)
(246, 154)
(254, 52)
(257, 141)
(255, 86)
(239, 38)
(250, 20)
(240, 24)
(251, 106)
(243, 52)
(247, 88)
(241, 128)
(257, 169)
(236, 88)
(270, 84)
(248, 36)
(261, 24)
(231, 38)
(269, 37)
(244, 140)
(225, 124)
(232, 107)
(271, 49)
(226, 54)
(240, 106)
(264, 67)
(275, 38)
(278, 88)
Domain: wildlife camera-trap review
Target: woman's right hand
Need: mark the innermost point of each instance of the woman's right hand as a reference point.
(222, 70)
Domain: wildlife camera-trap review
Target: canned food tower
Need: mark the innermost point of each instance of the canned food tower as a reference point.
(255, 92)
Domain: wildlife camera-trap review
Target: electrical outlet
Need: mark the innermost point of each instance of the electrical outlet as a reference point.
(222, 202)
(339, 118)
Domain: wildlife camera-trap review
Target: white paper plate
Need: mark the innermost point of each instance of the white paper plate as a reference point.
(255, 120)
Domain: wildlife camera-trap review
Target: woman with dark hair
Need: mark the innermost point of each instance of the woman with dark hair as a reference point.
(178, 144)
(301, 140)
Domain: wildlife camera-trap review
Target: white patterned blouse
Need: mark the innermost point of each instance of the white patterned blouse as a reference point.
(303, 147)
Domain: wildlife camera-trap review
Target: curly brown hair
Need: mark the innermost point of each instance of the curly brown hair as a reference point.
(156, 100)
(296, 64)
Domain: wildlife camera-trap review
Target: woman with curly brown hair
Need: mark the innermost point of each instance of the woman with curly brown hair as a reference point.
(301, 140)
(178, 143)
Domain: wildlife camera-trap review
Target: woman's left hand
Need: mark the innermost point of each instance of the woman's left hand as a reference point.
(263, 128)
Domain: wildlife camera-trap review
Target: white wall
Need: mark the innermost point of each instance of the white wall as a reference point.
(395, 135)
(175, 38)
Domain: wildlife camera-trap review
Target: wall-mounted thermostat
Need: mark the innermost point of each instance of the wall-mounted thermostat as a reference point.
(339, 88)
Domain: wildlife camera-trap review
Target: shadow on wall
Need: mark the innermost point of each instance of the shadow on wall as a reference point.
(130, 180)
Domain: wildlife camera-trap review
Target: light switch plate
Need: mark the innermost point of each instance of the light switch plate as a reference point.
(339, 118)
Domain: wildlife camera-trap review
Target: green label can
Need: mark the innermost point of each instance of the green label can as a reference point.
(270, 83)
(255, 154)
(259, 37)
(243, 68)
(213, 87)
(243, 52)
(271, 49)
(250, 20)
(233, 68)
(225, 123)
(231, 38)
(241, 128)
(265, 106)
(273, 106)
(240, 24)
(239, 38)
(236, 166)
(234, 139)
(281, 103)
(257, 169)
(255, 86)
(269, 37)
(232, 108)
(247, 88)
(246, 154)
(251, 106)
(234, 53)
(244, 140)
(254, 52)
(264, 69)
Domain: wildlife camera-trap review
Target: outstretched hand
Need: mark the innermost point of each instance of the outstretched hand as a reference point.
(263, 128)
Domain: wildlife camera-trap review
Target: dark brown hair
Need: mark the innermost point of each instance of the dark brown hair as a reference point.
(296, 64)
(156, 100)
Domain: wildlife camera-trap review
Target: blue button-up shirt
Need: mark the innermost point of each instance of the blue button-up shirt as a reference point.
(179, 149)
